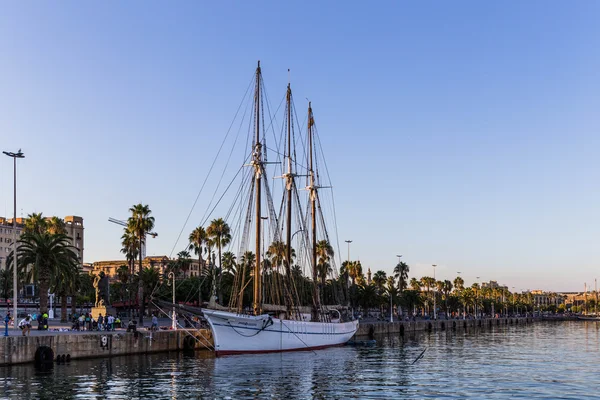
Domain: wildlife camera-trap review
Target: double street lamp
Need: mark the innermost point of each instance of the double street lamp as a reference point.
(14, 156)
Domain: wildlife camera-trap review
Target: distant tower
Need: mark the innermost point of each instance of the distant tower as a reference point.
(74, 227)
(369, 276)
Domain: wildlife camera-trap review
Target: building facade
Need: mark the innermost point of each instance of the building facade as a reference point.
(73, 225)
(159, 262)
(6, 237)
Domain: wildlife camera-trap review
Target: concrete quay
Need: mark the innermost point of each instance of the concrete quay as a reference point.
(370, 329)
(53, 346)
(47, 346)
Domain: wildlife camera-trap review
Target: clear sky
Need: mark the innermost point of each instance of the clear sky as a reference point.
(459, 134)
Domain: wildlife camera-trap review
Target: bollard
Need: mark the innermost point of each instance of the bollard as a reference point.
(6, 320)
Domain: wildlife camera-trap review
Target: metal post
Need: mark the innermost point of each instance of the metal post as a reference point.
(434, 293)
(400, 306)
(14, 156)
(174, 318)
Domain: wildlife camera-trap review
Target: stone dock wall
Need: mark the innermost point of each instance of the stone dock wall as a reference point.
(25, 349)
(370, 329)
(64, 346)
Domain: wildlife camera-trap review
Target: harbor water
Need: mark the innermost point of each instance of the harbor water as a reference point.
(548, 360)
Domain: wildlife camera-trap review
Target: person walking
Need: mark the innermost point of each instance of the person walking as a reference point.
(100, 322)
(154, 326)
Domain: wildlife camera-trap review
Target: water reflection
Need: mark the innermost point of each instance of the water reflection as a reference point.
(545, 360)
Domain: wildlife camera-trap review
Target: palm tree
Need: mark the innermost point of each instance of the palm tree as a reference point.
(324, 255)
(35, 223)
(148, 279)
(459, 283)
(354, 269)
(139, 224)
(401, 273)
(446, 289)
(123, 276)
(56, 225)
(220, 233)
(47, 255)
(197, 239)
(64, 283)
(6, 281)
(380, 279)
(428, 282)
(229, 264)
(415, 285)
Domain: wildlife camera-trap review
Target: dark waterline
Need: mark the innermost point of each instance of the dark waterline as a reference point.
(543, 360)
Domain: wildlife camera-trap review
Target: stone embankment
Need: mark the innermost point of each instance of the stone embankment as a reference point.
(45, 348)
(59, 347)
(369, 329)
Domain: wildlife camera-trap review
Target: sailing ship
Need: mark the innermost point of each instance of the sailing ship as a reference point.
(288, 326)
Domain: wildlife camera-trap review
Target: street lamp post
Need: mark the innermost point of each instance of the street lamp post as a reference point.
(434, 293)
(476, 297)
(174, 319)
(464, 310)
(400, 314)
(348, 241)
(14, 156)
(346, 286)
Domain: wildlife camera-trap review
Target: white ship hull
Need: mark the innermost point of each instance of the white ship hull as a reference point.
(238, 334)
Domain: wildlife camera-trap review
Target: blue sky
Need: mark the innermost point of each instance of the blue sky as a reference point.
(463, 134)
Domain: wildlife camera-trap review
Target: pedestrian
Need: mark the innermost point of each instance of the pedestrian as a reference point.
(117, 322)
(100, 322)
(88, 321)
(25, 325)
(154, 326)
(82, 322)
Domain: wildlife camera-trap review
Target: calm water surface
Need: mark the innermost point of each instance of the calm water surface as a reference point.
(553, 360)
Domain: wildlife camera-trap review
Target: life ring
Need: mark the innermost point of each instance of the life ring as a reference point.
(44, 355)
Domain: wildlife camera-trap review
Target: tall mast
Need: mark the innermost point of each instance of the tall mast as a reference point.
(257, 161)
(313, 211)
(289, 184)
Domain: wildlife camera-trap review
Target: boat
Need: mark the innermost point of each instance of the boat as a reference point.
(588, 318)
(288, 326)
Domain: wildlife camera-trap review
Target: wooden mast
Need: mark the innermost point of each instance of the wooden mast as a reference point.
(313, 199)
(289, 187)
(257, 161)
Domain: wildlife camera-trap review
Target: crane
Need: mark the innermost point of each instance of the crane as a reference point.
(124, 223)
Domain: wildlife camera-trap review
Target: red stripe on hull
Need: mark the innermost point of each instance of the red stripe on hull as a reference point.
(220, 353)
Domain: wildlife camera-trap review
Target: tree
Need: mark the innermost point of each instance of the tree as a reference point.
(354, 269)
(65, 282)
(139, 224)
(47, 256)
(197, 239)
(35, 223)
(6, 283)
(229, 263)
(56, 226)
(380, 279)
(459, 283)
(415, 285)
(401, 273)
(123, 276)
(148, 280)
(324, 255)
(220, 233)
